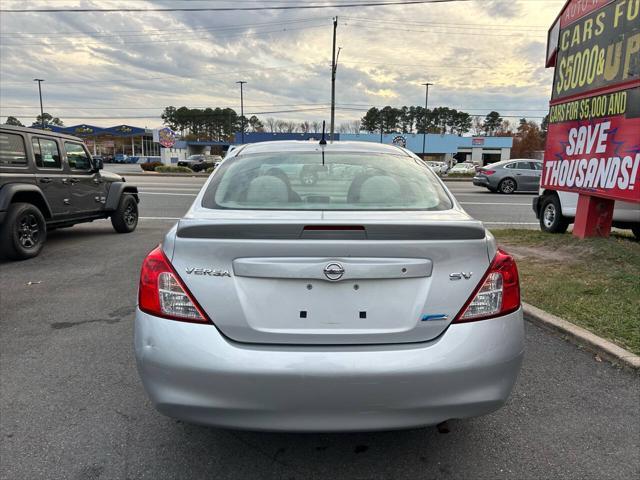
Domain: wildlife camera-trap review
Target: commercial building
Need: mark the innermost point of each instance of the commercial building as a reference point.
(119, 139)
(479, 150)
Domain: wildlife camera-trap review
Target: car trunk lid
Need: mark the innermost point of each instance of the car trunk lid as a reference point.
(328, 279)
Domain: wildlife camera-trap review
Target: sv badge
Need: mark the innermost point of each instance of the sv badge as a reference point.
(460, 276)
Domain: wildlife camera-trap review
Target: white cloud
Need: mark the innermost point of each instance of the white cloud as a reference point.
(479, 55)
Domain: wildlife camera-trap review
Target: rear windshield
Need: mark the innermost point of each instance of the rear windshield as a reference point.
(329, 181)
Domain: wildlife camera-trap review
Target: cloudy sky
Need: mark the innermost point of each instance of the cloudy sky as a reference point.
(125, 67)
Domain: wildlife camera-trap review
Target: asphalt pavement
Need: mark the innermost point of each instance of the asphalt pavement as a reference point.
(72, 405)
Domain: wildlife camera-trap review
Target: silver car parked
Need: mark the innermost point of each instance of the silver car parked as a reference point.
(369, 300)
(510, 176)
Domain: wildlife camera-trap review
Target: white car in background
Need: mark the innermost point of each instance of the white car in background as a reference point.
(439, 167)
(463, 168)
(556, 210)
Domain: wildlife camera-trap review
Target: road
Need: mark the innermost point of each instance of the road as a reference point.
(72, 406)
(169, 197)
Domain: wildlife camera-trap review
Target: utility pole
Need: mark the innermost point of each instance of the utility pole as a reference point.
(241, 111)
(334, 65)
(424, 134)
(40, 80)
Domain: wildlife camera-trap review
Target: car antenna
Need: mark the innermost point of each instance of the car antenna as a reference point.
(323, 141)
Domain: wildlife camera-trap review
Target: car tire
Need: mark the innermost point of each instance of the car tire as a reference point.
(23, 233)
(507, 185)
(125, 218)
(551, 218)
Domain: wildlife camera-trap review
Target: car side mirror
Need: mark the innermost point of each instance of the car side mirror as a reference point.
(98, 164)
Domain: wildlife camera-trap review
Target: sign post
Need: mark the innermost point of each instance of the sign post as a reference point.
(593, 140)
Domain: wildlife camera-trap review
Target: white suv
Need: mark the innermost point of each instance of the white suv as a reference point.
(556, 210)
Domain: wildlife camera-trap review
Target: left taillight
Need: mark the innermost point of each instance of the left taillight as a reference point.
(498, 293)
(163, 294)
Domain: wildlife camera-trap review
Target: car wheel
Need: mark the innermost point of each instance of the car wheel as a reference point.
(308, 178)
(24, 231)
(508, 185)
(551, 218)
(125, 218)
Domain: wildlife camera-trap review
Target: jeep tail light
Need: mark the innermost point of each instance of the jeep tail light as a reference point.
(162, 293)
(498, 293)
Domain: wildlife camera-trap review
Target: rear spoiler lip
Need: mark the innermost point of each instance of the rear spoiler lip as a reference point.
(472, 230)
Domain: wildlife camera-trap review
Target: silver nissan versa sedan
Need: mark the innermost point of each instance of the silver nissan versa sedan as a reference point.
(367, 300)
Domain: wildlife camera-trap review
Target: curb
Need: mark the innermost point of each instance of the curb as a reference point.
(580, 336)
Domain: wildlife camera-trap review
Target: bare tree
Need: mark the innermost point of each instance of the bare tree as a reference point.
(281, 126)
(290, 127)
(305, 127)
(271, 124)
(316, 126)
(476, 127)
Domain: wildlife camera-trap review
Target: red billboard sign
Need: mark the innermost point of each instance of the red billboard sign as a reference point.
(593, 139)
(593, 146)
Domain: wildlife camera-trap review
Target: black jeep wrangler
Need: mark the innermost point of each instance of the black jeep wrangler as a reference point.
(49, 180)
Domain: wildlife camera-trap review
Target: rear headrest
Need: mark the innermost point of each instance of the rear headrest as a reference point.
(267, 188)
(374, 189)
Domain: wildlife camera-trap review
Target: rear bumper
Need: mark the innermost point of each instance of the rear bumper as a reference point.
(193, 373)
(481, 181)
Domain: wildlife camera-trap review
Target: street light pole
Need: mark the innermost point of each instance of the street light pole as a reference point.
(40, 80)
(424, 133)
(241, 111)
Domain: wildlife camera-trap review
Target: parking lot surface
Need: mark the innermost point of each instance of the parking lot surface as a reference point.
(72, 405)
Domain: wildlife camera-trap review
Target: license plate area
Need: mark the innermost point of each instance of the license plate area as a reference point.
(347, 307)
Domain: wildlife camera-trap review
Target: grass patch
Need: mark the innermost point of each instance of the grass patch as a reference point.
(594, 283)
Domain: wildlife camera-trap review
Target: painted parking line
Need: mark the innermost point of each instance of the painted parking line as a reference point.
(496, 203)
(172, 194)
(510, 223)
(173, 219)
(158, 189)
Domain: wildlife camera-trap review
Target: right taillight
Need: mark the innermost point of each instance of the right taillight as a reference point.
(161, 292)
(498, 293)
(487, 172)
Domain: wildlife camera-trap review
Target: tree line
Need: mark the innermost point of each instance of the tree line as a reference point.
(222, 123)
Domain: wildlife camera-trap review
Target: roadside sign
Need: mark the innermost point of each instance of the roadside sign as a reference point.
(593, 139)
(165, 137)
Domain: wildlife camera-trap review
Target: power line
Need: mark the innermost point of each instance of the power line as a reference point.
(484, 34)
(169, 77)
(165, 31)
(225, 9)
(440, 24)
(44, 43)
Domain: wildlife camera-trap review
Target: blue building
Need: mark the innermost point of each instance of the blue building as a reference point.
(479, 150)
